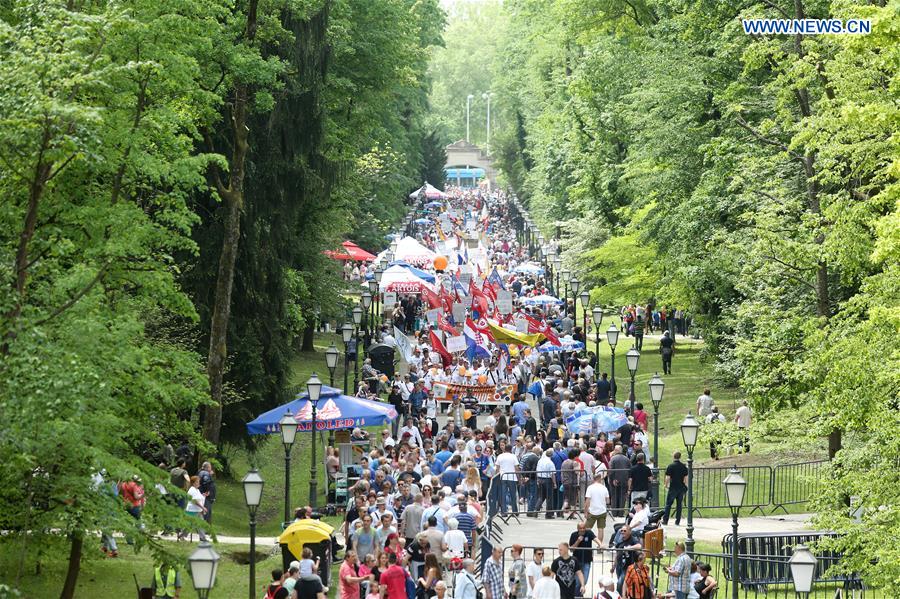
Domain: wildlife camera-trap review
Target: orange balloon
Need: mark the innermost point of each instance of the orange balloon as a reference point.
(482, 379)
(462, 371)
(467, 414)
(440, 263)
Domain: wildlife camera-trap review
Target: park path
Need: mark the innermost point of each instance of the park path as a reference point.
(526, 531)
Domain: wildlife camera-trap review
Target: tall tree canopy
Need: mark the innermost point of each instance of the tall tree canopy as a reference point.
(749, 179)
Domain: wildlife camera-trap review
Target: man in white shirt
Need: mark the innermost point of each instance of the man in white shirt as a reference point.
(534, 570)
(546, 472)
(415, 437)
(455, 542)
(742, 418)
(507, 469)
(596, 506)
(704, 404)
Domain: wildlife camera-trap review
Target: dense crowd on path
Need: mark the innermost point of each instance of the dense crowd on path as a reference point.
(422, 494)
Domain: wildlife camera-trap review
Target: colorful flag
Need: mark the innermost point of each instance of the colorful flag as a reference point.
(446, 358)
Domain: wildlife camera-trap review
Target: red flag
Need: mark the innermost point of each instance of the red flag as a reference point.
(479, 300)
(490, 291)
(549, 334)
(430, 297)
(436, 344)
(446, 301)
(481, 325)
(444, 325)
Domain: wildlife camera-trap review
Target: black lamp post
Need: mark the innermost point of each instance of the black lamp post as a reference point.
(585, 298)
(204, 565)
(631, 361)
(557, 263)
(373, 289)
(657, 386)
(288, 425)
(366, 301)
(379, 272)
(612, 337)
(597, 313)
(314, 390)
(564, 273)
(357, 320)
(346, 336)
(803, 569)
(574, 285)
(689, 430)
(253, 487)
(331, 360)
(734, 492)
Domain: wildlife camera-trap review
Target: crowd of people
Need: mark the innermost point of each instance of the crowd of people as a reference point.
(429, 482)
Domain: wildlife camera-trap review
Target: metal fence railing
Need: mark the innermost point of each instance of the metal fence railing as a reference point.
(795, 483)
(754, 573)
(768, 488)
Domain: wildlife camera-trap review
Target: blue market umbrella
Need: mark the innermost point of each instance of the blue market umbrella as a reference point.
(422, 221)
(542, 300)
(334, 411)
(425, 276)
(564, 345)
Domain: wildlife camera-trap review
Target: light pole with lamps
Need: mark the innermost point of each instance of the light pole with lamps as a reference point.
(803, 569)
(331, 360)
(253, 487)
(734, 493)
(657, 387)
(366, 300)
(631, 361)
(565, 286)
(357, 320)
(346, 336)
(373, 289)
(597, 313)
(612, 337)
(574, 285)
(689, 430)
(204, 565)
(585, 298)
(379, 272)
(487, 96)
(469, 99)
(314, 390)
(288, 425)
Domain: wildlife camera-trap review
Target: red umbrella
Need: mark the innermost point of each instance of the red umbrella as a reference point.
(351, 251)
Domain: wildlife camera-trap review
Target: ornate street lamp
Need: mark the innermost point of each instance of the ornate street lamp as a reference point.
(357, 320)
(735, 485)
(631, 361)
(612, 337)
(204, 565)
(314, 390)
(574, 285)
(346, 336)
(597, 314)
(253, 487)
(288, 425)
(690, 428)
(803, 569)
(585, 299)
(366, 301)
(331, 360)
(564, 273)
(657, 386)
(373, 289)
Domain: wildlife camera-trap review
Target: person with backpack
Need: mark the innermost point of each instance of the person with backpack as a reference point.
(464, 585)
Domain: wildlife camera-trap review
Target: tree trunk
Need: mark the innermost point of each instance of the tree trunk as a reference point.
(68, 590)
(309, 337)
(233, 196)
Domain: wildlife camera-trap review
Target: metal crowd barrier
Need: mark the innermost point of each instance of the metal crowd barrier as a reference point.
(767, 486)
(603, 565)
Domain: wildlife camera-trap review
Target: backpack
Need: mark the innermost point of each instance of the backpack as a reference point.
(271, 590)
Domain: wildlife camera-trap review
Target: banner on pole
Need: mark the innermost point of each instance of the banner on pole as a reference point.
(504, 302)
(486, 395)
(390, 298)
(432, 316)
(459, 312)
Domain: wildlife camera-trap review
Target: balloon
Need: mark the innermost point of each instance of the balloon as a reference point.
(513, 350)
(440, 263)
(467, 414)
(383, 378)
(462, 371)
(482, 379)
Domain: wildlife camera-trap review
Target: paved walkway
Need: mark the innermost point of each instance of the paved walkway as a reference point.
(539, 531)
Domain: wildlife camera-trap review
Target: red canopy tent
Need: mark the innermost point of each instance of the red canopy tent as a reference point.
(351, 251)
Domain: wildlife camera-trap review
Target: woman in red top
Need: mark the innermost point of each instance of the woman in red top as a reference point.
(392, 545)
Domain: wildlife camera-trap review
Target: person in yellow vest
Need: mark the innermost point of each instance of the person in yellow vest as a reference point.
(166, 582)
